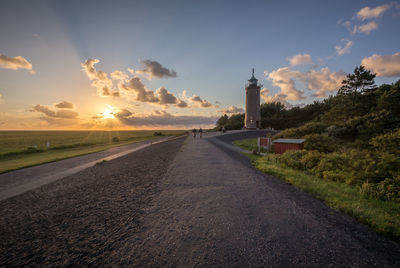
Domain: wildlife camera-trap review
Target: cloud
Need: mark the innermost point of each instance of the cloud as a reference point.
(264, 93)
(155, 69)
(232, 110)
(66, 114)
(365, 28)
(163, 119)
(119, 79)
(142, 93)
(123, 113)
(200, 102)
(383, 65)
(119, 76)
(284, 79)
(100, 79)
(166, 97)
(372, 13)
(64, 105)
(181, 104)
(161, 97)
(15, 63)
(343, 50)
(321, 81)
(107, 92)
(300, 59)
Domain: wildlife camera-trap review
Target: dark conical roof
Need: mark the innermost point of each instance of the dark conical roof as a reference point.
(253, 79)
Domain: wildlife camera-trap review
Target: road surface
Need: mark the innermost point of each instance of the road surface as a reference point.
(174, 205)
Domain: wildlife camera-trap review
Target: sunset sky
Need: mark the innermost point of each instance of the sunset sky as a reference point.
(179, 64)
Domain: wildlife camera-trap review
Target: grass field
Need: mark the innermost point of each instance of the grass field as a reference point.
(382, 216)
(20, 149)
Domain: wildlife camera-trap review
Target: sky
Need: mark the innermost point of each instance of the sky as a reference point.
(73, 65)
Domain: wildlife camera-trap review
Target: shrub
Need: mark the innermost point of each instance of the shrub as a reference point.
(158, 134)
(309, 128)
(336, 175)
(388, 143)
(292, 158)
(310, 159)
(388, 189)
(115, 139)
(320, 142)
(331, 162)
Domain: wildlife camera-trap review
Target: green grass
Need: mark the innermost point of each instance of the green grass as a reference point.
(382, 216)
(17, 147)
(248, 144)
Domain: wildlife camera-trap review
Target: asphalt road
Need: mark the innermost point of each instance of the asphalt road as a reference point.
(200, 204)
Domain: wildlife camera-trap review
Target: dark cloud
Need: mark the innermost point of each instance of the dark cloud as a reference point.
(181, 104)
(163, 118)
(161, 97)
(107, 92)
(64, 105)
(200, 102)
(167, 98)
(123, 113)
(155, 69)
(142, 94)
(66, 114)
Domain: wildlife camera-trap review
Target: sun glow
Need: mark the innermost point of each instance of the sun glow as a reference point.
(108, 113)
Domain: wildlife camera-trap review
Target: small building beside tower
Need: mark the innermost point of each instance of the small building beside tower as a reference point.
(252, 114)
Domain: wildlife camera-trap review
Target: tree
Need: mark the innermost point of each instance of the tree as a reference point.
(362, 80)
(221, 122)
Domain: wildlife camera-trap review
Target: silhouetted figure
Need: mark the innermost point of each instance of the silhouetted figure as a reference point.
(194, 133)
(223, 129)
(201, 133)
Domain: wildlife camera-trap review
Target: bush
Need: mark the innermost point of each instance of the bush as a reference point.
(388, 143)
(331, 162)
(292, 158)
(321, 143)
(115, 139)
(158, 134)
(311, 159)
(297, 133)
(389, 189)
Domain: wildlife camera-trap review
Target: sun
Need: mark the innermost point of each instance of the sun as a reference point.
(108, 113)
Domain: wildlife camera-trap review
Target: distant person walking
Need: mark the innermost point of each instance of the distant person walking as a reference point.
(223, 129)
(194, 133)
(200, 133)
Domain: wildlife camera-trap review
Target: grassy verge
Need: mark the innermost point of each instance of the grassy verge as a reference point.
(248, 144)
(21, 160)
(382, 216)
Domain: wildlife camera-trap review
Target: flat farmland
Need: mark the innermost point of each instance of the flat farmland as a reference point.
(20, 149)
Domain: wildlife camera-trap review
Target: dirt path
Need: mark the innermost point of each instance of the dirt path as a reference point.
(205, 207)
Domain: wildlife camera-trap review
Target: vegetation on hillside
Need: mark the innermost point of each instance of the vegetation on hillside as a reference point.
(356, 140)
(353, 140)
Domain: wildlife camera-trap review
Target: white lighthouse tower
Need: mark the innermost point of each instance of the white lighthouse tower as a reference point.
(252, 116)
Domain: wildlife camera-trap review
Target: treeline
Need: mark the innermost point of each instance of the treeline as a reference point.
(276, 115)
